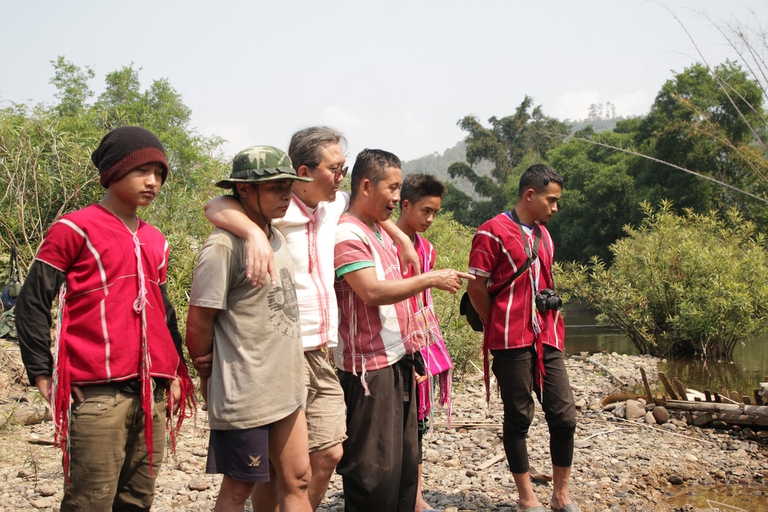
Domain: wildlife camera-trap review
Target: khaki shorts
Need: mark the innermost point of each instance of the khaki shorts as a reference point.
(326, 410)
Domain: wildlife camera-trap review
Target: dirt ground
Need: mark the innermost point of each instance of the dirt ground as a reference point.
(617, 466)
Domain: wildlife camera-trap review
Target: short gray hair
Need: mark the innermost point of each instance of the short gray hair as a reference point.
(307, 145)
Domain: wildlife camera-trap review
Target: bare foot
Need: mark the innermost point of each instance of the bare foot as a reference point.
(422, 505)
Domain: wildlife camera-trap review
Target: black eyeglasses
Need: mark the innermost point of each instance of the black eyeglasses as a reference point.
(341, 171)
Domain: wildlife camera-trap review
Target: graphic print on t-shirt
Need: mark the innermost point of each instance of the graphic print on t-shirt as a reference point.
(282, 298)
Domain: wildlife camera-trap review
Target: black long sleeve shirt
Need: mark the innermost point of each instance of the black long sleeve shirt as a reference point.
(33, 320)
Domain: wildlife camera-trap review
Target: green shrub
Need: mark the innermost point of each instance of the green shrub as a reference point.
(681, 285)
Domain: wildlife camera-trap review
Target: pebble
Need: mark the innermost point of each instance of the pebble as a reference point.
(660, 414)
(618, 464)
(634, 409)
(675, 479)
(198, 484)
(42, 503)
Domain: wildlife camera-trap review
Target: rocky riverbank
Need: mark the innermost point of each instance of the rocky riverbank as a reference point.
(619, 464)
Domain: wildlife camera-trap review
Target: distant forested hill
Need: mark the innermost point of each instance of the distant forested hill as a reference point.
(437, 164)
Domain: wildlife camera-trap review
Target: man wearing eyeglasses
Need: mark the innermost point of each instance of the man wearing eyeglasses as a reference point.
(309, 228)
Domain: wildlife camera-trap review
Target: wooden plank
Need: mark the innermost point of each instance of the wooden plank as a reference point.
(648, 394)
(708, 395)
(702, 419)
(680, 390)
(670, 390)
(750, 410)
(717, 398)
(742, 419)
(745, 400)
(735, 396)
(24, 412)
(758, 398)
(498, 458)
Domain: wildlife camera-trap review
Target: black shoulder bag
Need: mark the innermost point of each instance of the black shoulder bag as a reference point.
(12, 289)
(465, 306)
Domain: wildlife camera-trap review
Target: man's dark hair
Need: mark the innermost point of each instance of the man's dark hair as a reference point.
(420, 185)
(372, 164)
(538, 177)
(307, 145)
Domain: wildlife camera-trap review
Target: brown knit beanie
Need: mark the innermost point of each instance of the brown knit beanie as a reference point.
(126, 148)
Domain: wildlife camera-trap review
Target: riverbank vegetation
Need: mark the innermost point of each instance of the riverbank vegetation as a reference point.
(685, 279)
(45, 168)
(681, 274)
(680, 285)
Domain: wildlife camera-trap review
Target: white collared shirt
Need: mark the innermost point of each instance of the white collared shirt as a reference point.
(310, 237)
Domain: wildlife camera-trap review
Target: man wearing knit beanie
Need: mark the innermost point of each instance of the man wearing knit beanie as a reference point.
(126, 148)
(117, 348)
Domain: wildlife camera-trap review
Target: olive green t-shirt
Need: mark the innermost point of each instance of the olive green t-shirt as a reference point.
(257, 375)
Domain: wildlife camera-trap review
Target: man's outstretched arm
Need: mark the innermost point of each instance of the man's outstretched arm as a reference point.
(374, 292)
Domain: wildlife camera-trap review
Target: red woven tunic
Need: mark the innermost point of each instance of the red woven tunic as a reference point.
(112, 324)
(498, 250)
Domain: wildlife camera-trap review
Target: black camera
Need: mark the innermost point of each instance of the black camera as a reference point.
(546, 299)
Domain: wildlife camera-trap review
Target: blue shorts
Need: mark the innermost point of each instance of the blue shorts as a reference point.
(242, 455)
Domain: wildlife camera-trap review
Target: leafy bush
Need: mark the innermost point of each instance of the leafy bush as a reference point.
(681, 285)
(44, 173)
(452, 242)
(45, 168)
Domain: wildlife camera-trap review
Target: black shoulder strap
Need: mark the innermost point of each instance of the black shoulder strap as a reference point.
(531, 253)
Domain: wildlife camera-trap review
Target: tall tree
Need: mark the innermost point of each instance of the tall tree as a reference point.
(596, 202)
(522, 138)
(701, 120)
(71, 83)
(45, 168)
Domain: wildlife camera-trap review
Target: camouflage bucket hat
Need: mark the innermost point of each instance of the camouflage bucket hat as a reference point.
(260, 163)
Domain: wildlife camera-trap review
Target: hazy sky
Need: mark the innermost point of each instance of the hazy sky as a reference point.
(392, 74)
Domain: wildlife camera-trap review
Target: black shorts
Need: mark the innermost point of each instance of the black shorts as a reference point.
(242, 455)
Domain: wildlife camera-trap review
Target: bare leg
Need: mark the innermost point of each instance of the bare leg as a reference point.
(323, 463)
(560, 496)
(527, 498)
(289, 452)
(232, 495)
(421, 503)
(264, 495)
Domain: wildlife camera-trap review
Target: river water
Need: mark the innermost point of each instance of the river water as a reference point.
(743, 374)
(748, 368)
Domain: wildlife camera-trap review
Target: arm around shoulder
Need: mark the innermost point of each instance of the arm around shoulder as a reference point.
(226, 212)
(408, 255)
